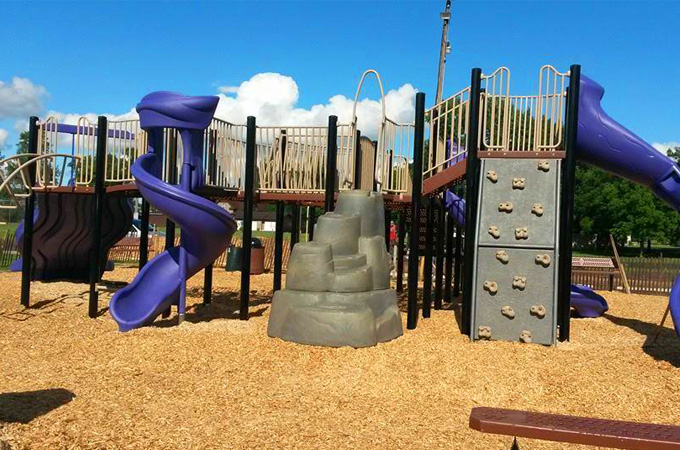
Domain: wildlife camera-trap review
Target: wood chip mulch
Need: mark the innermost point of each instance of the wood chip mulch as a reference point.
(69, 382)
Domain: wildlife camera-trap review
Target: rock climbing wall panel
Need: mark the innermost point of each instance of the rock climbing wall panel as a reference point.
(515, 280)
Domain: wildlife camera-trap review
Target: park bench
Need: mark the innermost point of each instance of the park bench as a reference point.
(575, 430)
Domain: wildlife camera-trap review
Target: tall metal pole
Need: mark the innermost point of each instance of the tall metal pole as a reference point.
(100, 198)
(444, 49)
(144, 234)
(567, 204)
(248, 198)
(27, 250)
(414, 237)
(357, 161)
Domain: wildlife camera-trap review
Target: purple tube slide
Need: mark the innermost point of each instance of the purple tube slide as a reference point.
(206, 227)
(584, 300)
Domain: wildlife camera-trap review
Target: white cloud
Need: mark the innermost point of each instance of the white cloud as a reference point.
(664, 146)
(272, 98)
(4, 134)
(20, 98)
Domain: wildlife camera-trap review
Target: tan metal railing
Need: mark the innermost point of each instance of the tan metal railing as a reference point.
(293, 159)
(448, 133)
(126, 141)
(392, 163)
(19, 170)
(522, 122)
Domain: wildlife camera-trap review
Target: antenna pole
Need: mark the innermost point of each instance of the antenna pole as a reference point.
(444, 49)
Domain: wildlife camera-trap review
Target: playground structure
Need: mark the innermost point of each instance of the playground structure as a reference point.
(513, 154)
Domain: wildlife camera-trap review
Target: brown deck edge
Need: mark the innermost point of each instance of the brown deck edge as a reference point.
(444, 178)
(518, 424)
(546, 154)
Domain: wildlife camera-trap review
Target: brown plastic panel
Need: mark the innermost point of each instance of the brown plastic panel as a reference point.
(576, 430)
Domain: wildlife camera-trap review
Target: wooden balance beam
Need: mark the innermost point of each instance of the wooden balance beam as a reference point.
(575, 430)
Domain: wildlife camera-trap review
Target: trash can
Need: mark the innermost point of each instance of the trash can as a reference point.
(235, 257)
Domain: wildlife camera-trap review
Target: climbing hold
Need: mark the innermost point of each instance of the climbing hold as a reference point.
(538, 311)
(518, 183)
(484, 332)
(544, 166)
(521, 233)
(491, 287)
(525, 337)
(502, 256)
(505, 207)
(537, 209)
(495, 232)
(543, 260)
(508, 312)
(492, 175)
(519, 282)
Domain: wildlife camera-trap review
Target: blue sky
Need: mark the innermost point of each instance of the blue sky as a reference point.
(102, 57)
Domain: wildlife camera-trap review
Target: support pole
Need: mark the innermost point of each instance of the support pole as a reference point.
(450, 262)
(248, 199)
(375, 166)
(27, 250)
(331, 163)
(439, 246)
(418, 138)
(567, 204)
(471, 192)
(278, 245)
(427, 274)
(458, 261)
(295, 231)
(144, 235)
(207, 284)
(401, 243)
(311, 221)
(357, 161)
(388, 226)
(100, 198)
(172, 179)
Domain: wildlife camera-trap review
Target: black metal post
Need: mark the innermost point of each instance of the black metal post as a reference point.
(331, 162)
(311, 221)
(401, 243)
(144, 235)
(472, 189)
(375, 165)
(418, 138)
(248, 199)
(171, 156)
(357, 161)
(207, 284)
(278, 245)
(427, 273)
(458, 261)
(27, 250)
(439, 246)
(567, 204)
(450, 261)
(100, 198)
(388, 226)
(295, 231)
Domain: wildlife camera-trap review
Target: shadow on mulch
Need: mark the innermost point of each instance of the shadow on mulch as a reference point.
(402, 299)
(42, 307)
(665, 348)
(23, 407)
(224, 305)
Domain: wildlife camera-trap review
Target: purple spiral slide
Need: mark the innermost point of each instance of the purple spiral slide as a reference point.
(206, 227)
